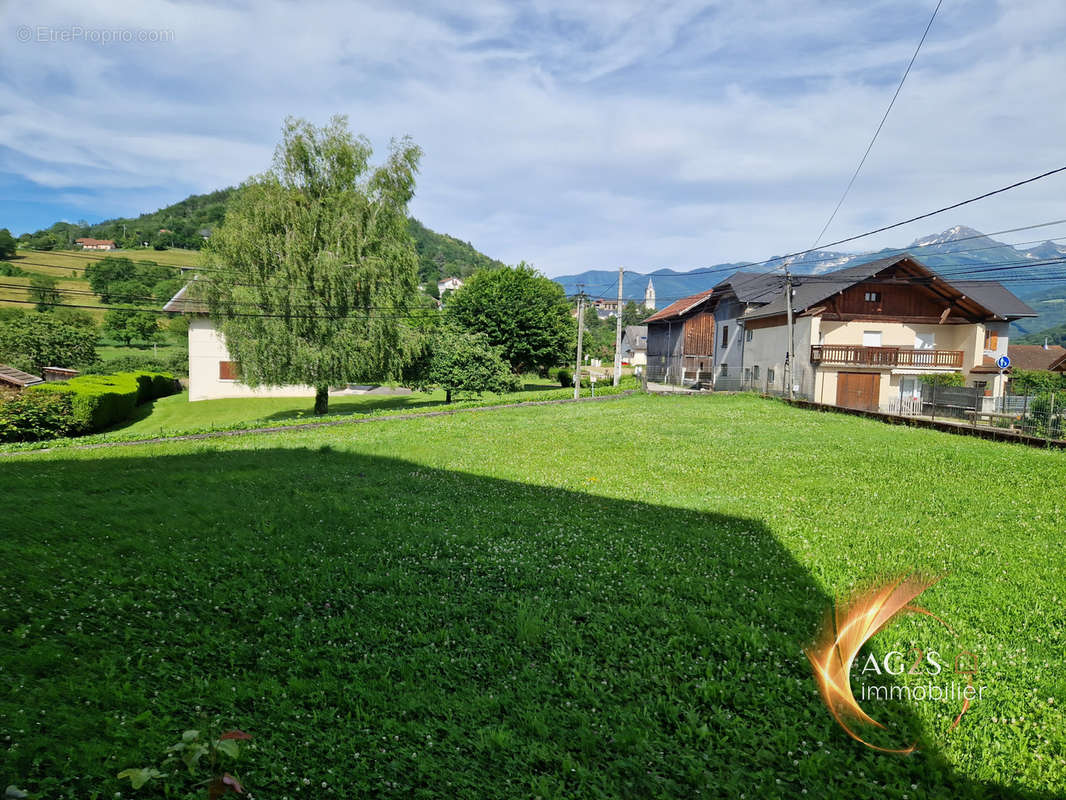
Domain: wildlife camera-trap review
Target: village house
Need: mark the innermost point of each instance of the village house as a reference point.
(95, 244)
(212, 373)
(448, 285)
(1046, 358)
(635, 345)
(605, 308)
(864, 336)
(737, 295)
(681, 341)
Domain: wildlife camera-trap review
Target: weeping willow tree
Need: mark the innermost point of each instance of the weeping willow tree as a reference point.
(312, 275)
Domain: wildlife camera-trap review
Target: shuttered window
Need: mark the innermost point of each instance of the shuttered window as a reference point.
(228, 371)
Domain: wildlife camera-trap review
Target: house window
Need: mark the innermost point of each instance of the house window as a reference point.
(925, 341)
(755, 372)
(871, 338)
(770, 375)
(725, 371)
(991, 340)
(228, 371)
(873, 297)
(748, 334)
(725, 336)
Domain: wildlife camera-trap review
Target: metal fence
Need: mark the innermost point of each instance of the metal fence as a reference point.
(1035, 415)
(1040, 415)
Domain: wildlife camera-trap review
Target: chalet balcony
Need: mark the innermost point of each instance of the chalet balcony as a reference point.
(852, 355)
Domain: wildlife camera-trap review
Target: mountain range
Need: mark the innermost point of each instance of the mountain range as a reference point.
(1037, 274)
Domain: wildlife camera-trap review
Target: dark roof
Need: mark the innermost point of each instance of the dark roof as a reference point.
(16, 377)
(636, 336)
(181, 303)
(996, 298)
(1034, 356)
(679, 308)
(986, 297)
(753, 287)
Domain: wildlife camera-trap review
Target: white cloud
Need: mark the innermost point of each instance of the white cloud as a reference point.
(571, 135)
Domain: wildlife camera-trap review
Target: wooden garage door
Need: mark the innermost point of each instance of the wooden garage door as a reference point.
(858, 390)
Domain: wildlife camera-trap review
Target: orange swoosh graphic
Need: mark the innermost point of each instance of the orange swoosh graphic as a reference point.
(843, 635)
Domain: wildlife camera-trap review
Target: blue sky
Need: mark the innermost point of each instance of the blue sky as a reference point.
(572, 135)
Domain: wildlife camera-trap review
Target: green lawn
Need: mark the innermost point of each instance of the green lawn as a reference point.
(596, 600)
(175, 414)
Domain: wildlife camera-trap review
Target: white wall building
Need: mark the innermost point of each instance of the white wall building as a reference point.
(212, 373)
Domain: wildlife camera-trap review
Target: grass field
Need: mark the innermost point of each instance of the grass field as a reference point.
(69, 268)
(175, 414)
(599, 600)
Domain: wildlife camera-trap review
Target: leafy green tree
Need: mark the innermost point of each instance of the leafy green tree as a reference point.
(7, 243)
(76, 317)
(35, 341)
(463, 362)
(44, 291)
(9, 270)
(632, 314)
(1035, 381)
(129, 324)
(131, 292)
(313, 273)
(110, 269)
(520, 311)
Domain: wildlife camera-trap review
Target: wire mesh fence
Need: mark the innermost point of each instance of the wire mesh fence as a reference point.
(1040, 415)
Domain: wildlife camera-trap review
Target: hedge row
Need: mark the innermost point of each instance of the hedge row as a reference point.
(81, 405)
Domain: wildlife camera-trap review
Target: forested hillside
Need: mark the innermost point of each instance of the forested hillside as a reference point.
(188, 223)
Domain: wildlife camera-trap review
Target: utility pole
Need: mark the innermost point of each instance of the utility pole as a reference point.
(580, 336)
(790, 356)
(618, 333)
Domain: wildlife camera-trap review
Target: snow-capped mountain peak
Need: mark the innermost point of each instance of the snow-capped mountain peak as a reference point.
(952, 234)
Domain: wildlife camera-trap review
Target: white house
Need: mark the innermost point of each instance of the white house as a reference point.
(448, 285)
(212, 373)
(635, 345)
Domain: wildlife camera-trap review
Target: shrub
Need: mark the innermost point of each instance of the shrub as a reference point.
(943, 379)
(31, 416)
(176, 362)
(565, 377)
(98, 401)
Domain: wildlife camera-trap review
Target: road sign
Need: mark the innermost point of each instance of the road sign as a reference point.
(1003, 362)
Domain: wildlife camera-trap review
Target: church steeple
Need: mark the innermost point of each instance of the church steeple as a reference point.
(649, 297)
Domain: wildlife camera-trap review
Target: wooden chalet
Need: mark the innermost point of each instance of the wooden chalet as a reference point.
(681, 341)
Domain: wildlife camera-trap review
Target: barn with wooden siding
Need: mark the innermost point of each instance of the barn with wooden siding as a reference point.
(681, 341)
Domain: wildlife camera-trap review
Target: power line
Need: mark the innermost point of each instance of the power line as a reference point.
(881, 253)
(160, 312)
(880, 125)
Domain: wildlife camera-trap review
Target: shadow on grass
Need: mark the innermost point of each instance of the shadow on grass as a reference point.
(384, 626)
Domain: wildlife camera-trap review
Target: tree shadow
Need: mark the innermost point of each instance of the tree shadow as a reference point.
(386, 627)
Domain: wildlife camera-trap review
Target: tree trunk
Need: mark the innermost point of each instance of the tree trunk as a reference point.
(321, 399)
(448, 397)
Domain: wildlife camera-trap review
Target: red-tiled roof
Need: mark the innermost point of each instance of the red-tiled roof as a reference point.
(1034, 356)
(679, 308)
(91, 242)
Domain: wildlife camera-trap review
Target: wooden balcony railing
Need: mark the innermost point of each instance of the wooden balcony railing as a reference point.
(859, 356)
